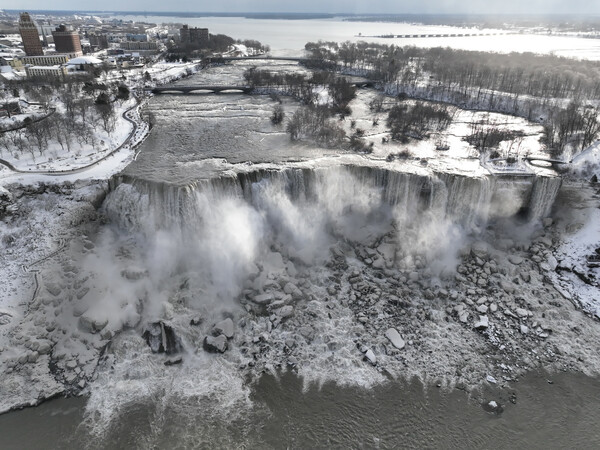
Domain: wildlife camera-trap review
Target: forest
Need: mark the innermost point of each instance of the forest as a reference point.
(562, 94)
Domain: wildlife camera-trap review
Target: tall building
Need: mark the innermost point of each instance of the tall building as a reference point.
(67, 40)
(98, 40)
(30, 36)
(194, 35)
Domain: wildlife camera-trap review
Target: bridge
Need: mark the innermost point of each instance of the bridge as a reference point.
(553, 162)
(217, 88)
(444, 35)
(219, 59)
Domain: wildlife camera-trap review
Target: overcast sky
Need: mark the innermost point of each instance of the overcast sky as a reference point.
(327, 6)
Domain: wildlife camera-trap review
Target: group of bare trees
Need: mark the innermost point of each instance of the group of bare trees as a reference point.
(575, 126)
(313, 120)
(418, 120)
(303, 88)
(216, 43)
(486, 136)
(315, 123)
(544, 76)
(35, 137)
(82, 107)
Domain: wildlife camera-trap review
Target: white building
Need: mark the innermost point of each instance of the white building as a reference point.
(47, 60)
(83, 63)
(45, 71)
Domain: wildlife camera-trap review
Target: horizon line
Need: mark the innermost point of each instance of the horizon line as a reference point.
(339, 13)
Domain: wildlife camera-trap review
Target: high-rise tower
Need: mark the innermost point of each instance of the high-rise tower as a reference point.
(66, 40)
(30, 36)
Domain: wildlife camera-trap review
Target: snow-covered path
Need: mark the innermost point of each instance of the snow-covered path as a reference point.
(99, 169)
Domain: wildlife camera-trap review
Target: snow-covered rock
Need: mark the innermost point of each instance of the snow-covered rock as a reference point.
(395, 338)
(262, 299)
(224, 327)
(91, 324)
(515, 259)
(370, 355)
(285, 311)
(216, 344)
(480, 249)
(482, 324)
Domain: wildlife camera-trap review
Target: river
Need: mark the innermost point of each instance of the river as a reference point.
(290, 36)
(284, 414)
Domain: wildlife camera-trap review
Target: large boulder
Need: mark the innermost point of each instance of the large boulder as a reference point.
(293, 290)
(480, 249)
(91, 324)
(482, 324)
(370, 356)
(263, 299)
(224, 327)
(395, 338)
(162, 338)
(285, 311)
(214, 344)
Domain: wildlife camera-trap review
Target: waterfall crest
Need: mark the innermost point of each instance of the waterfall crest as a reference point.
(467, 201)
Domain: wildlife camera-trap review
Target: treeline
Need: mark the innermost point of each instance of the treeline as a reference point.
(545, 76)
(574, 127)
(216, 43)
(557, 92)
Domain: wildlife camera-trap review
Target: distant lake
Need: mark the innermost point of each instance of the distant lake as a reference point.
(289, 36)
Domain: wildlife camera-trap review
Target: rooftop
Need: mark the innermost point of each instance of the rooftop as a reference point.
(84, 60)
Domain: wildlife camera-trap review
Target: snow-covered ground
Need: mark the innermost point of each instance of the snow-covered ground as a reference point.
(375, 128)
(39, 225)
(310, 287)
(572, 272)
(33, 111)
(98, 166)
(57, 158)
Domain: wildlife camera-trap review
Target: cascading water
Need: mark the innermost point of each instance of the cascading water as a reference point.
(543, 194)
(467, 201)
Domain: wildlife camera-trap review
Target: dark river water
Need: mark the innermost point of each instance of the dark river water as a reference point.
(551, 411)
